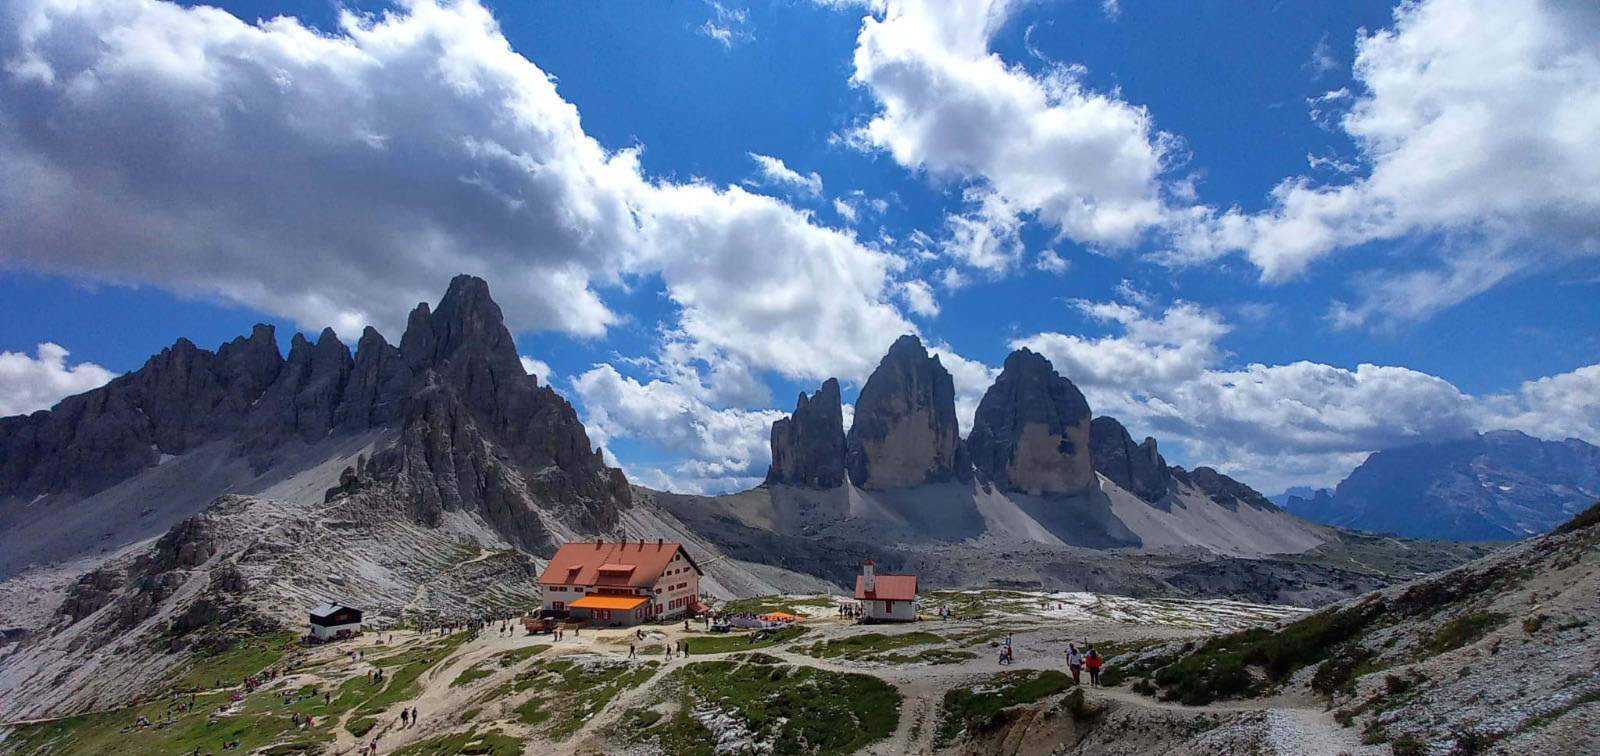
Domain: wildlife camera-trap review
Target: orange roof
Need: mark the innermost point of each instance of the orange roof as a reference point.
(597, 601)
(629, 564)
(887, 588)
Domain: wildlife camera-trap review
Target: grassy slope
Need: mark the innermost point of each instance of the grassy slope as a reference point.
(1448, 611)
(262, 719)
(799, 710)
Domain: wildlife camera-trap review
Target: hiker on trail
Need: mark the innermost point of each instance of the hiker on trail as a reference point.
(405, 717)
(684, 648)
(1092, 660)
(1074, 661)
(631, 651)
(414, 717)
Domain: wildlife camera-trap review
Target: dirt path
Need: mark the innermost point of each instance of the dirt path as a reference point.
(1289, 726)
(422, 586)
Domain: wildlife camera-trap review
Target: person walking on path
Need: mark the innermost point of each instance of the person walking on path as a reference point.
(1092, 660)
(1074, 661)
(632, 653)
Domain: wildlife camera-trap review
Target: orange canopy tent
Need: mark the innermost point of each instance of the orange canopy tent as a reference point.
(780, 617)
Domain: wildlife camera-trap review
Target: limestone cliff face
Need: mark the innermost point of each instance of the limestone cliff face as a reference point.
(905, 431)
(808, 447)
(1137, 468)
(1031, 432)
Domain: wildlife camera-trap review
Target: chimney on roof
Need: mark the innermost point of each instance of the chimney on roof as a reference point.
(659, 542)
(867, 581)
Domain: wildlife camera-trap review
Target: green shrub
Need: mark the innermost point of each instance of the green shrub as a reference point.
(1463, 630)
(1339, 672)
(1408, 745)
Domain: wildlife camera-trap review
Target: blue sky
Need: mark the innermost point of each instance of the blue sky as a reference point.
(1275, 236)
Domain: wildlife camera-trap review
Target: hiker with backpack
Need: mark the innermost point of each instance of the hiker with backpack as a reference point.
(1092, 660)
(1074, 661)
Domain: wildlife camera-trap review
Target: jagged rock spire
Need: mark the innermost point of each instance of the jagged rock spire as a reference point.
(905, 431)
(1031, 432)
(808, 447)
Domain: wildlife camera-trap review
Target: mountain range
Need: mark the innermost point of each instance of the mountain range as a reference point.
(210, 494)
(1491, 486)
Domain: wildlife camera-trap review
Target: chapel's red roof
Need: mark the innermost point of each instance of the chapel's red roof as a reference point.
(887, 588)
(629, 564)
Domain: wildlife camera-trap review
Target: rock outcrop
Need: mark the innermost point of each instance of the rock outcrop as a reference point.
(808, 447)
(905, 431)
(1222, 489)
(1032, 431)
(1137, 468)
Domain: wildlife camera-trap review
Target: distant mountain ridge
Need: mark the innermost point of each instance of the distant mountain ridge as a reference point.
(1302, 492)
(1498, 485)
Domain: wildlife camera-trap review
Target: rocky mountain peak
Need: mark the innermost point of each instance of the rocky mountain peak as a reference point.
(1138, 469)
(905, 431)
(808, 447)
(461, 388)
(469, 320)
(1031, 432)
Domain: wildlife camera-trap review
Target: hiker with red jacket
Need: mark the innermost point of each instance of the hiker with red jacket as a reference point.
(1092, 660)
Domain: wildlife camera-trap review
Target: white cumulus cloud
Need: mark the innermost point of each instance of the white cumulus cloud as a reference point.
(1474, 122)
(334, 178)
(776, 173)
(725, 448)
(35, 383)
(1084, 162)
(537, 367)
(1277, 425)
